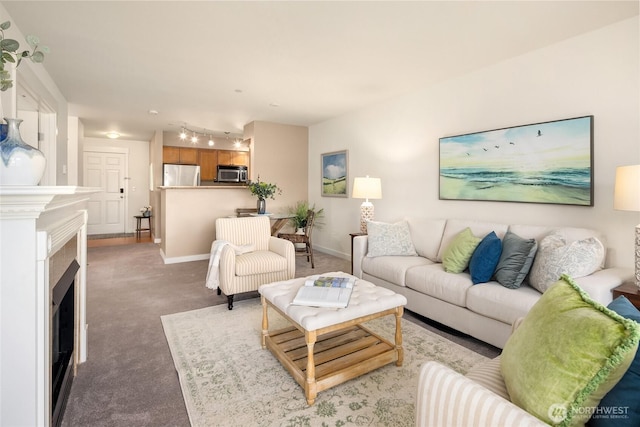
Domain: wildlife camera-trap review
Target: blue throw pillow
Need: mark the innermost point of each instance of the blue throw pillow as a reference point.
(621, 406)
(485, 258)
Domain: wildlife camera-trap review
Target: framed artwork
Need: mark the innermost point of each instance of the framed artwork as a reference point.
(549, 162)
(335, 174)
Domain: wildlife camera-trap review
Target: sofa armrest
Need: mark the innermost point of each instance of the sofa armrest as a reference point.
(600, 284)
(359, 252)
(446, 398)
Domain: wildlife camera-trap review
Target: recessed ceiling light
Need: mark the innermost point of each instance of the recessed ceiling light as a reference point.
(153, 112)
(238, 91)
(113, 135)
(274, 104)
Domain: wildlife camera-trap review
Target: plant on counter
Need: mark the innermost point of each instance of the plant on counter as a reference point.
(9, 53)
(263, 189)
(299, 212)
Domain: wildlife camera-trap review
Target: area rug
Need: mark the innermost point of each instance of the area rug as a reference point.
(227, 379)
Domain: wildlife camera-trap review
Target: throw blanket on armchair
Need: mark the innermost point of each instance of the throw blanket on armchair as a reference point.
(213, 273)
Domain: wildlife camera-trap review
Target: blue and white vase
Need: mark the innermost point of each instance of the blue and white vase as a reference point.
(21, 164)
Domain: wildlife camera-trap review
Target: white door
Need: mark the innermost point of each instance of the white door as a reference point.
(106, 208)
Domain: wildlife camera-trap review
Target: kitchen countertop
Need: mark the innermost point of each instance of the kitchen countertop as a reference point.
(225, 185)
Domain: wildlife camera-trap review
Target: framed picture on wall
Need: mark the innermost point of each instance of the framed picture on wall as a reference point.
(549, 162)
(335, 174)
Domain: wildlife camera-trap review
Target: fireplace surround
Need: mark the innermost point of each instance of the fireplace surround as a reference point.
(43, 232)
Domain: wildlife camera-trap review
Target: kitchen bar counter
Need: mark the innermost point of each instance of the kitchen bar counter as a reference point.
(188, 216)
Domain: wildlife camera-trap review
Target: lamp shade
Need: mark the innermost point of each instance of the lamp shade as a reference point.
(367, 188)
(626, 195)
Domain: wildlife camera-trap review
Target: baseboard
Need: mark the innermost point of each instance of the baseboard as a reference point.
(179, 259)
(332, 252)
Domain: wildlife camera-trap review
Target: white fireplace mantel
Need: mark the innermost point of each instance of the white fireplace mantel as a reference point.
(35, 222)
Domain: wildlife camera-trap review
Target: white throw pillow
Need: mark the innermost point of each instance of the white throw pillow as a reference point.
(389, 239)
(555, 257)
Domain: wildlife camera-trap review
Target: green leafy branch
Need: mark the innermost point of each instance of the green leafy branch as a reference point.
(9, 53)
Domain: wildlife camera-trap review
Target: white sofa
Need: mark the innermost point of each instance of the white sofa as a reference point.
(485, 311)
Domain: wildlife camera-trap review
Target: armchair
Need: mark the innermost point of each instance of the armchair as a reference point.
(271, 260)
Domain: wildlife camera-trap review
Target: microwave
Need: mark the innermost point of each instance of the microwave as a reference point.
(232, 173)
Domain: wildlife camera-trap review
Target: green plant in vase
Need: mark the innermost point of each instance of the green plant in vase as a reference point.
(299, 212)
(263, 190)
(20, 163)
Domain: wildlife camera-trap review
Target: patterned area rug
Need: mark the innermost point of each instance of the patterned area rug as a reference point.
(227, 379)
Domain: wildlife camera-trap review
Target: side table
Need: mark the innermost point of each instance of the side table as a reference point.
(139, 228)
(629, 290)
(354, 235)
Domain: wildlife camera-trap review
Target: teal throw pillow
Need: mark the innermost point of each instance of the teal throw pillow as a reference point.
(621, 406)
(566, 355)
(515, 260)
(485, 258)
(456, 256)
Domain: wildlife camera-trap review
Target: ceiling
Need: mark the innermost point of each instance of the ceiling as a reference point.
(218, 65)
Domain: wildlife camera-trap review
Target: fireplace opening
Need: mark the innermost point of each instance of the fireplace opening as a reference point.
(62, 341)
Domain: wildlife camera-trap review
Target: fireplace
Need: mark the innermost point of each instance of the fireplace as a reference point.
(62, 341)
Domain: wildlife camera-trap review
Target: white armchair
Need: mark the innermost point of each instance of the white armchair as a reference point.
(273, 259)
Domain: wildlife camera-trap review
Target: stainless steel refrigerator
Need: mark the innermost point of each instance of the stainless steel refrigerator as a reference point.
(180, 175)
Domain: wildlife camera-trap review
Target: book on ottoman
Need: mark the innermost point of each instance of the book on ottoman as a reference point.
(325, 291)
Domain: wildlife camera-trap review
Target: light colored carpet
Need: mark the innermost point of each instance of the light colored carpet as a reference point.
(227, 379)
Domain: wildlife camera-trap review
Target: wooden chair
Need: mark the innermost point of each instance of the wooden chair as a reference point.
(243, 212)
(303, 238)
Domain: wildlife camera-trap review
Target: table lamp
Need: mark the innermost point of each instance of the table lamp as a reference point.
(366, 188)
(626, 197)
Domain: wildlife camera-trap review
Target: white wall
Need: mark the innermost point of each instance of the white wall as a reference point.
(593, 74)
(137, 179)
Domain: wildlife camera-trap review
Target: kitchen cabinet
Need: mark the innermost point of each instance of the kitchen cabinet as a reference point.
(179, 155)
(208, 161)
(230, 157)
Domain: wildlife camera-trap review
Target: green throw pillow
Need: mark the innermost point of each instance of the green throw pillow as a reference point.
(457, 255)
(567, 353)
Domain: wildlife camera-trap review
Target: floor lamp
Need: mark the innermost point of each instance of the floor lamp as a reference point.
(366, 188)
(627, 198)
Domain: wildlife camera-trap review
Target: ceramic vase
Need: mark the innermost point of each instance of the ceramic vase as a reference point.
(21, 164)
(262, 206)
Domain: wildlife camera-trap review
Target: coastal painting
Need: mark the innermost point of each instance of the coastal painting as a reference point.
(335, 174)
(549, 162)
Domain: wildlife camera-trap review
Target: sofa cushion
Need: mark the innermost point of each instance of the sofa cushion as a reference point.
(426, 235)
(623, 395)
(459, 251)
(570, 234)
(478, 228)
(488, 375)
(485, 258)
(392, 268)
(567, 353)
(494, 301)
(386, 239)
(432, 280)
(516, 260)
(555, 257)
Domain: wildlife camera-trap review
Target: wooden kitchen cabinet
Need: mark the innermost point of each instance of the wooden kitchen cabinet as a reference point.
(230, 157)
(208, 161)
(179, 155)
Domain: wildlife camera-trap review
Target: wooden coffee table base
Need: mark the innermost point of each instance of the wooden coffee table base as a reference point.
(326, 357)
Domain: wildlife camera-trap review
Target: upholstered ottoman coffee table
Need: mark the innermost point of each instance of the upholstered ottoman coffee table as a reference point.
(325, 347)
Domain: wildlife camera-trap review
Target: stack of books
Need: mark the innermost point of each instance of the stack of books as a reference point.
(325, 291)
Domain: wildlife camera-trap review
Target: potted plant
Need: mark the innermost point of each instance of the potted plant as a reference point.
(299, 211)
(21, 163)
(263, 190)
